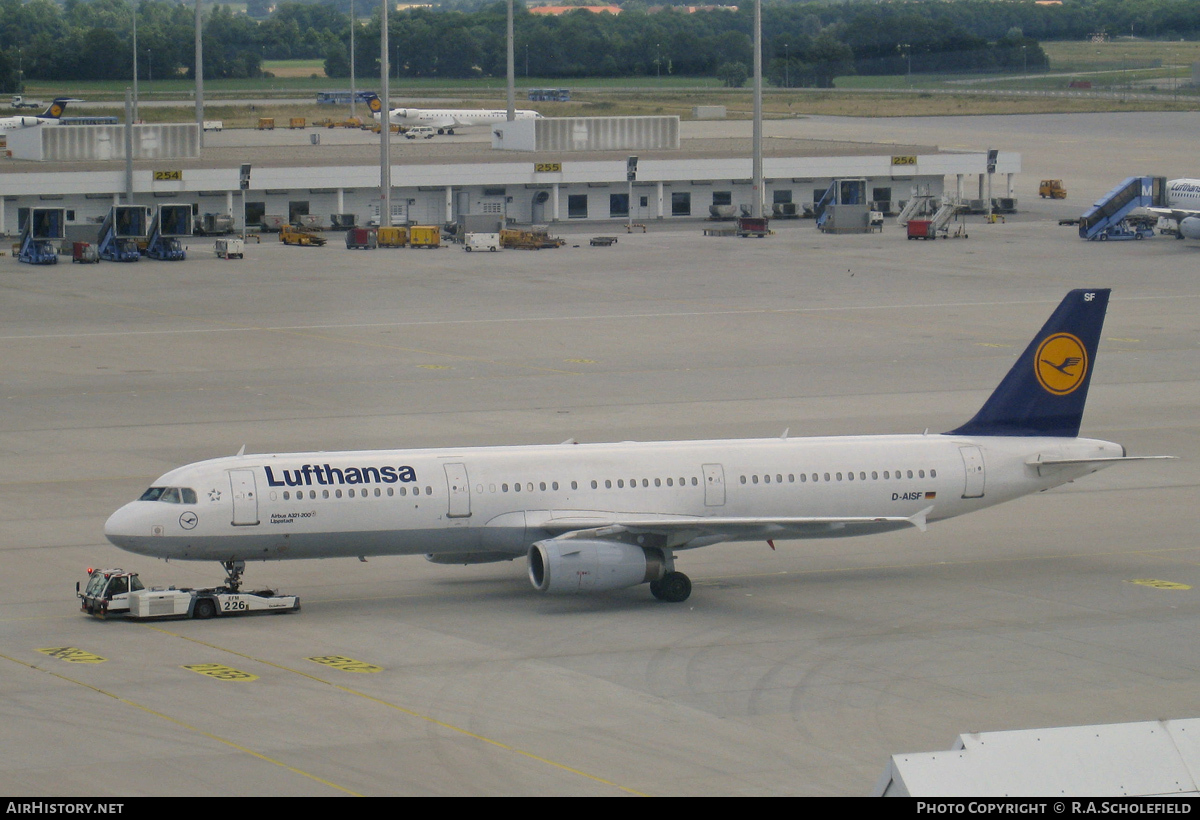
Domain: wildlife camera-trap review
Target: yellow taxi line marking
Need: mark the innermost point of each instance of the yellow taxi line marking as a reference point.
(180, 723)
(406, 711)
(1157, 584)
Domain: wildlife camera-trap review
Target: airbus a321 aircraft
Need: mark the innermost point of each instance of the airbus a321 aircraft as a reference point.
(592, 517)
(1183, 205)
(445, 120)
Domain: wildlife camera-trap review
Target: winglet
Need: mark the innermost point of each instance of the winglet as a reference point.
(1045, 391)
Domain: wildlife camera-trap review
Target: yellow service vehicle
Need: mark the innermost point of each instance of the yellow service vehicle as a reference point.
(1052, 189)
(291, 235)
(533, 240)
(424, 236)
(394, 237)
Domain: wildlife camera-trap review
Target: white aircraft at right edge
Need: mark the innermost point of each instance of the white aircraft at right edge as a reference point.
(594, 517)
(1183, 206)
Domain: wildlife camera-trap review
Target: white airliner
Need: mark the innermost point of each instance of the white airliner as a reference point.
(48, 117)
(594, 517)
(445, 120)
(1183, 206)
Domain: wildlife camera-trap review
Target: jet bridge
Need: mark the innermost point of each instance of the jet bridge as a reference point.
(169, 225)
(122, 229)
(42, 229)
(1112, 209)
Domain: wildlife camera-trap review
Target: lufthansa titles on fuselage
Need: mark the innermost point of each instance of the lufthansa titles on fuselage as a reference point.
(325, 474)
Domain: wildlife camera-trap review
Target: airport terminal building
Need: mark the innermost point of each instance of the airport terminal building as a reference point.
(522, 179)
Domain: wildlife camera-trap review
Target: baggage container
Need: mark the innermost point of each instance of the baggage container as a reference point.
(296, 122)
(361, 239)
(425, 236)
(230, 248)
(393, 237)
(266, 123)
(920, 229)
(274, 222)
(84, 252)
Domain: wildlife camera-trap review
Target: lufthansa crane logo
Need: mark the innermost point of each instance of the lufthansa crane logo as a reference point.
(375, 104)
(55, 110)
(1060, 364)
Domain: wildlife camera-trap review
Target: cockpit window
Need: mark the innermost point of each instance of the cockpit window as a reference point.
(170, 495)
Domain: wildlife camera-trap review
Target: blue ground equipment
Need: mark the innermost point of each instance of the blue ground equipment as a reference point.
(1104, 219)
(170, 224)
(120, 232)
(42, 229)
(840, 192)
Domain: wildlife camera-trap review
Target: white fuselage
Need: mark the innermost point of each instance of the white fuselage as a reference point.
(500, 500)
(1184, 194)
(10, 124)
(454, 117)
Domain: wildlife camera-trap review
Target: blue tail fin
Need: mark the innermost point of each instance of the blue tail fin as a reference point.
(374, 104)
(56, 109)
(1044, 392)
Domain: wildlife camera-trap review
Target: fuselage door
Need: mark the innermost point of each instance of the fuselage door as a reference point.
(459, 490)
(973, 463)
(245, 498)
(714, 485)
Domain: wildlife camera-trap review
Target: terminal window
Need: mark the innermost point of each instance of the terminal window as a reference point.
(722, 198)
(681, 203)
(618, 204)
(577, 206)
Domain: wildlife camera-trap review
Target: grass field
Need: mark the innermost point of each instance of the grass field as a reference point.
(1117, 69)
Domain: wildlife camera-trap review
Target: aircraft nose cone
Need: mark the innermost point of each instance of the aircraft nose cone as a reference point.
(121, 526)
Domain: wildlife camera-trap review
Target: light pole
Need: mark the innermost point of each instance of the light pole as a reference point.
(658, 60)
(787, 64)
(133, 8)
(353, 94)
(149, 65)
(1024, 60)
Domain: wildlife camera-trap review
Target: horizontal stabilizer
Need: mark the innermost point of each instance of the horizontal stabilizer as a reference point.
(1037, 462)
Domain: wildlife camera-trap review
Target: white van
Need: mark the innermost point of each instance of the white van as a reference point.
(420, 131)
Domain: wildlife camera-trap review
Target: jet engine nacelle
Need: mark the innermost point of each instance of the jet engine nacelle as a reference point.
(578, 565)
(1190, 227)
(30, 122)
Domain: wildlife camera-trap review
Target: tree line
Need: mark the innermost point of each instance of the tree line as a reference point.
(805, 43)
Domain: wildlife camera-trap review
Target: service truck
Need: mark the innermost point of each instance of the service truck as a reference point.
(476, 241)
(117, 592)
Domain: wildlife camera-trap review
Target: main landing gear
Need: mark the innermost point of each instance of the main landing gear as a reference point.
(674, 588)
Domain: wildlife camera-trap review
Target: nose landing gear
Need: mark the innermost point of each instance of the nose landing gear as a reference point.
(233, 574)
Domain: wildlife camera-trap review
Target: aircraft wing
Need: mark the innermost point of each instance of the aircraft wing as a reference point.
(1177, 214)
(683, 532)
